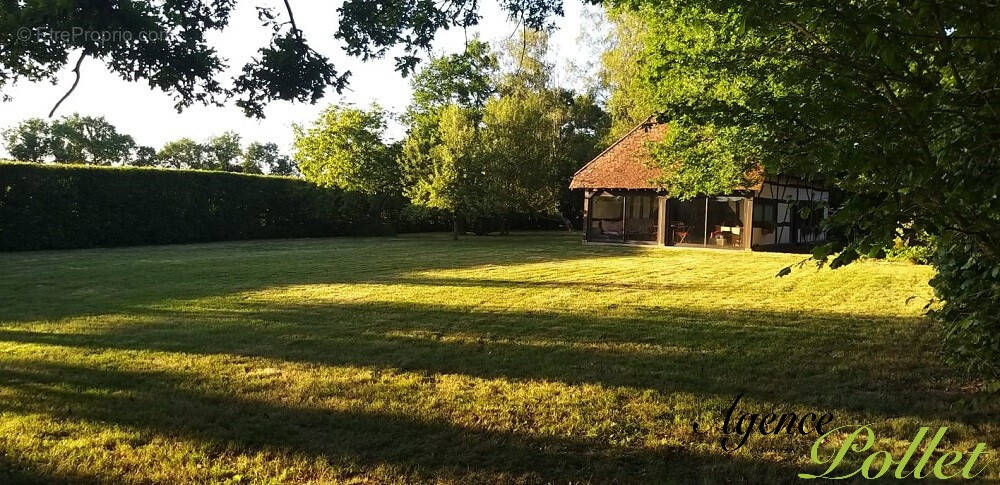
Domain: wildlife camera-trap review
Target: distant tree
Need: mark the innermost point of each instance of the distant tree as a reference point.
(344, 148)
(458, 86)
(223, 151)
(28, 141)
(87, 139)
(144, 156)
(184, 153)
(259, 158)
(509, 148)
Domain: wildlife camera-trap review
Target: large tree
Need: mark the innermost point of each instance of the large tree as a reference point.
(223, 151)
(184, 153)
(894, 103)
(261, 157)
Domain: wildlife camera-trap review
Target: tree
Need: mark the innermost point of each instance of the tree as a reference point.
(28, 140)
(183, 153)
(464, 79)
(511, 147)
(261, 157)
(144, 157)
(344, 148)
(452, 180)
(166, 44)
(71, 139)
(458, 85)
(223, 150)
(87, 139)
(630, 100)
(894, 103)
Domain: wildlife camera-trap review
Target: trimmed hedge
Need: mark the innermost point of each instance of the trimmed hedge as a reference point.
(75, 206)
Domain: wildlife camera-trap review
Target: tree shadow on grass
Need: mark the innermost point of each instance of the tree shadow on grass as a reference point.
(822, 361)
(413, 449)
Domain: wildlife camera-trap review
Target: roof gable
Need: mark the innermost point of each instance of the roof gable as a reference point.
(624, 164)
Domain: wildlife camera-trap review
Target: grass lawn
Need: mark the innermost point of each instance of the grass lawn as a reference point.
(529, 358)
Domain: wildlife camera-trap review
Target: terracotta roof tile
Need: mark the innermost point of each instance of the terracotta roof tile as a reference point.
(626, 163)
(623, 165)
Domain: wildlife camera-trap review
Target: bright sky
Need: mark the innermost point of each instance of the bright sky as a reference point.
(150, 118)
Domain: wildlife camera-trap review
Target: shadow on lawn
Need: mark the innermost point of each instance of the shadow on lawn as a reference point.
(719, 353)
(416, 449)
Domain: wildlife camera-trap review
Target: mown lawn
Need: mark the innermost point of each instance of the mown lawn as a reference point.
(529, 358)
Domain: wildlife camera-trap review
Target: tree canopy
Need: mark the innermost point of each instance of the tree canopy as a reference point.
(345, 148)
(165, 44)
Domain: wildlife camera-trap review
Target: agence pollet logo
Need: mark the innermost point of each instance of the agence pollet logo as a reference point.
(921, 459)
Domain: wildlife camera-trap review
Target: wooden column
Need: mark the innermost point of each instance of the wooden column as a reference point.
(586, 214)
(748, 223)
(661, 220)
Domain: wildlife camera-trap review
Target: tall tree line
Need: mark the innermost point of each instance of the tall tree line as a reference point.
(95, 141)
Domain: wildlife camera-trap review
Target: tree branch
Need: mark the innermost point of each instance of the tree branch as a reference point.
(291, 19)
(76, 71)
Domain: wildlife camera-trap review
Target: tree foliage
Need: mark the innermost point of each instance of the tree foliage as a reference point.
(166, 44)
(344, 148)
(894, 103)
(507, 147)
(223, 152)
(265, 157)
(184, 153)
(70, 139)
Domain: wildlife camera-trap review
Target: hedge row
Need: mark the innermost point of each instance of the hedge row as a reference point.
(72, 206)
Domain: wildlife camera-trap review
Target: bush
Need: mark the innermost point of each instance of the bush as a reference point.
(73, 206)
(968, 283)
(917, 249)
(415, 218)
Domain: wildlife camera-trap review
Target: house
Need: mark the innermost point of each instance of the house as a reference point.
(622, 204)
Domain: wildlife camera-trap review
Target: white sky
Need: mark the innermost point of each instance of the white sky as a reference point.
(150, 118)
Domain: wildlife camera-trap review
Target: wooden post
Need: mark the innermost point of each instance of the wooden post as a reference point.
(586, 214)
(748, 223)
(624, 215)
(661, 220)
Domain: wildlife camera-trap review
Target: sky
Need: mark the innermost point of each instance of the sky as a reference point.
(149, 116)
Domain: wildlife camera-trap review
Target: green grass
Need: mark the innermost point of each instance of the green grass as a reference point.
(529, 358)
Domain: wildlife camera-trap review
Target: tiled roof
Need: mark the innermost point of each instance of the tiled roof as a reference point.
(623, 165)
(626, 164)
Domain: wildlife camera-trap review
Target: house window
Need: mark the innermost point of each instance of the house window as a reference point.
(765, 221)
(687, 221)
(641, 217)
(725, 222)
(606, 218)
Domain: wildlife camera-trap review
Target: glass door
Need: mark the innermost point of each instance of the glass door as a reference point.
(641, 217)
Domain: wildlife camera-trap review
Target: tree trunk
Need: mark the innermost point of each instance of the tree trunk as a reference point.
(454, 226)
(566, 222)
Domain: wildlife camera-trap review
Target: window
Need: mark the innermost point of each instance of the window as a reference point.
(765, 221)
(641, 217)
(725, 222)
(687, 221)
(606, 218)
